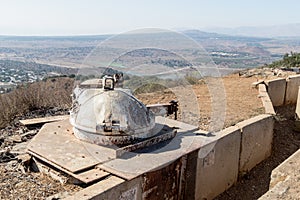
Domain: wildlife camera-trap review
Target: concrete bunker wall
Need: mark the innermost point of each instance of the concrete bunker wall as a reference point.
(204, 172)
(283, 91)
(284, 183)
(208, 168)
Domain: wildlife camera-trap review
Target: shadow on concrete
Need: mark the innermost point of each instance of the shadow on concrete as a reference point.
(286, 141)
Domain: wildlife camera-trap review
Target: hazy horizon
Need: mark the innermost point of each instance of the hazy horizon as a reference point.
(74, 18)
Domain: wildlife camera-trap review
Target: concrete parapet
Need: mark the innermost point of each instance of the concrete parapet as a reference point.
(297, 112)
(276, 90)
(217, 166)
(293, 83)
(264, 96)
(262, 87)
(298, 104)
(256, 142)
(105, 188)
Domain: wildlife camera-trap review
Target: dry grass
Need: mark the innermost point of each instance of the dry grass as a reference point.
(241, 102)
(53, 92)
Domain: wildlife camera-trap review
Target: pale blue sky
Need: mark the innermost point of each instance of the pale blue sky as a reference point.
(77, 17)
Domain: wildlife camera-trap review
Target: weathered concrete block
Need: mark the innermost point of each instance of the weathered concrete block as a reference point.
(262, 87)
(256, 84)
(256, 144)
(293, 83)
(111, 188)
(298, 104)
(217, 166)
(267, 103)
(276, 91)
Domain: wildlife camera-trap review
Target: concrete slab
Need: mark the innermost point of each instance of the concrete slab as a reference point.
(110, 188)
(285, 178)
(293, 83)
(256, 143)
(43, 120)
(217, 166)
(131, 165)
(262, 87)
(62, 175)
(256, 84)
(56, 144)
(276, 91)
(266, 101)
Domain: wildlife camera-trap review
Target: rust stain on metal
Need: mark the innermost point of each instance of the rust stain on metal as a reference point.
(164, 109)
(146, 143)
(164, 183)
(91, 175)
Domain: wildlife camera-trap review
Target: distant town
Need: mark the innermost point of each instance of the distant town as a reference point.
(13, 73)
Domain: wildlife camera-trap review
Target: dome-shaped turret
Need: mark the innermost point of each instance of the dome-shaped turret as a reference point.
(108, 115)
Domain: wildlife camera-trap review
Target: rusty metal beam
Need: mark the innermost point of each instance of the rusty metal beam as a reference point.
(146, 143)
(164, 109)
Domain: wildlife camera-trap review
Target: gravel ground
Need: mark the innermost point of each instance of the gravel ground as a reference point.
(17, 181)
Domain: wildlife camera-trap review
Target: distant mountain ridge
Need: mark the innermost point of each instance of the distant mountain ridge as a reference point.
(194, 33)
(286, 30)
(198, 35)
(57, 38)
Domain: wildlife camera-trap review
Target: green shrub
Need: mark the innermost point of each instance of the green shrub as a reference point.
(288, 61)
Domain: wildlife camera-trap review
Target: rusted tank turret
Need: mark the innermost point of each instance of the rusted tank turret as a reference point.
(103, 114)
